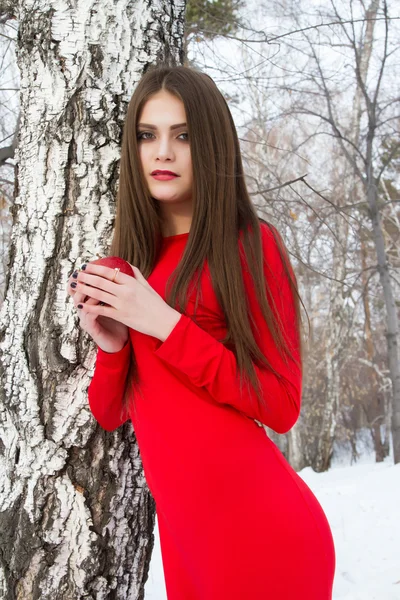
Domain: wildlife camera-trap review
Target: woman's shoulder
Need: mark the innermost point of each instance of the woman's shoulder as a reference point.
(270, 234)
(273, 246)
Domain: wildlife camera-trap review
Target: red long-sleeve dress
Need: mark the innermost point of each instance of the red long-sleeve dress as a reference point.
(236, 522)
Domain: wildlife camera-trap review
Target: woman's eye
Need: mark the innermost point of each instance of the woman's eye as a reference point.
(143, 133)
(140, 135)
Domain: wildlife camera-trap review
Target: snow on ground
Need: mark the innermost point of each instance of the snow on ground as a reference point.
(362, 504)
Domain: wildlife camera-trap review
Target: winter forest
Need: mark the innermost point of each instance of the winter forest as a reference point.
(313, 87)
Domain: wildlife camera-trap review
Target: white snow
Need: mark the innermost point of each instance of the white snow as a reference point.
(362, 504)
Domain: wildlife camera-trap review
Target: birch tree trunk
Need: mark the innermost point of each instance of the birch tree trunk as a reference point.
(336, 341)
(76, 516)
(375, 408)
(371, 182)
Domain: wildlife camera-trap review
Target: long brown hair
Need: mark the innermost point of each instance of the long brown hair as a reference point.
(221, 210)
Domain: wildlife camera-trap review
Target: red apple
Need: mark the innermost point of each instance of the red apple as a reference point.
(113, 262)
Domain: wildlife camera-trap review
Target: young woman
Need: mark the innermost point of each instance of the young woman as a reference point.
(200, 349)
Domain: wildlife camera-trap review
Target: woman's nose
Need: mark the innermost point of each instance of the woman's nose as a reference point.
(164, 149)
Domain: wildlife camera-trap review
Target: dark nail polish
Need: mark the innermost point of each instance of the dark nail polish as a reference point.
(73, 284)
(75, 274)
(80, 305)
(83, 267)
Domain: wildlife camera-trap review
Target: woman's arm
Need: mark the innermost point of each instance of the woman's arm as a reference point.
(106, 389)
(209, 364)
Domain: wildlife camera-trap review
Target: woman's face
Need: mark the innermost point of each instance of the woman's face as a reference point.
(165, 147)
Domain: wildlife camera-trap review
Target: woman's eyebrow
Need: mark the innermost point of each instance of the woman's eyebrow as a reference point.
(154, 127)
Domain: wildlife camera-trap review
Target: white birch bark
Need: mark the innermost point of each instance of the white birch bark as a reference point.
(76, 516)
(295, 451)
(337, 333)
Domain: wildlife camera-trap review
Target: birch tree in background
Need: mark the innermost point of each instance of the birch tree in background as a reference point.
(376, 414)
(324, 88)
(376, 112)
(76, 516)
(350, 188)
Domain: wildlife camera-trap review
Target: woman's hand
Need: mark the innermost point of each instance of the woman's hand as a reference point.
(131, 300)
(108, 334)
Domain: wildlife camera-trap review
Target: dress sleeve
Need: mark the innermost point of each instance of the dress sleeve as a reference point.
(210, 364)
(105, 392)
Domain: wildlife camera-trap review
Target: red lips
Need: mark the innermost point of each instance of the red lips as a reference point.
(159, 172)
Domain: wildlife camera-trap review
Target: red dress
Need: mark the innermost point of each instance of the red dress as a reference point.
(236, 522)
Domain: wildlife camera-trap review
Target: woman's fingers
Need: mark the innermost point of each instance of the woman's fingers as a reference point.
(77, 297)
(90, 300)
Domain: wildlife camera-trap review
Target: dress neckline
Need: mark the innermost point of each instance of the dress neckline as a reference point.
(175, 237)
